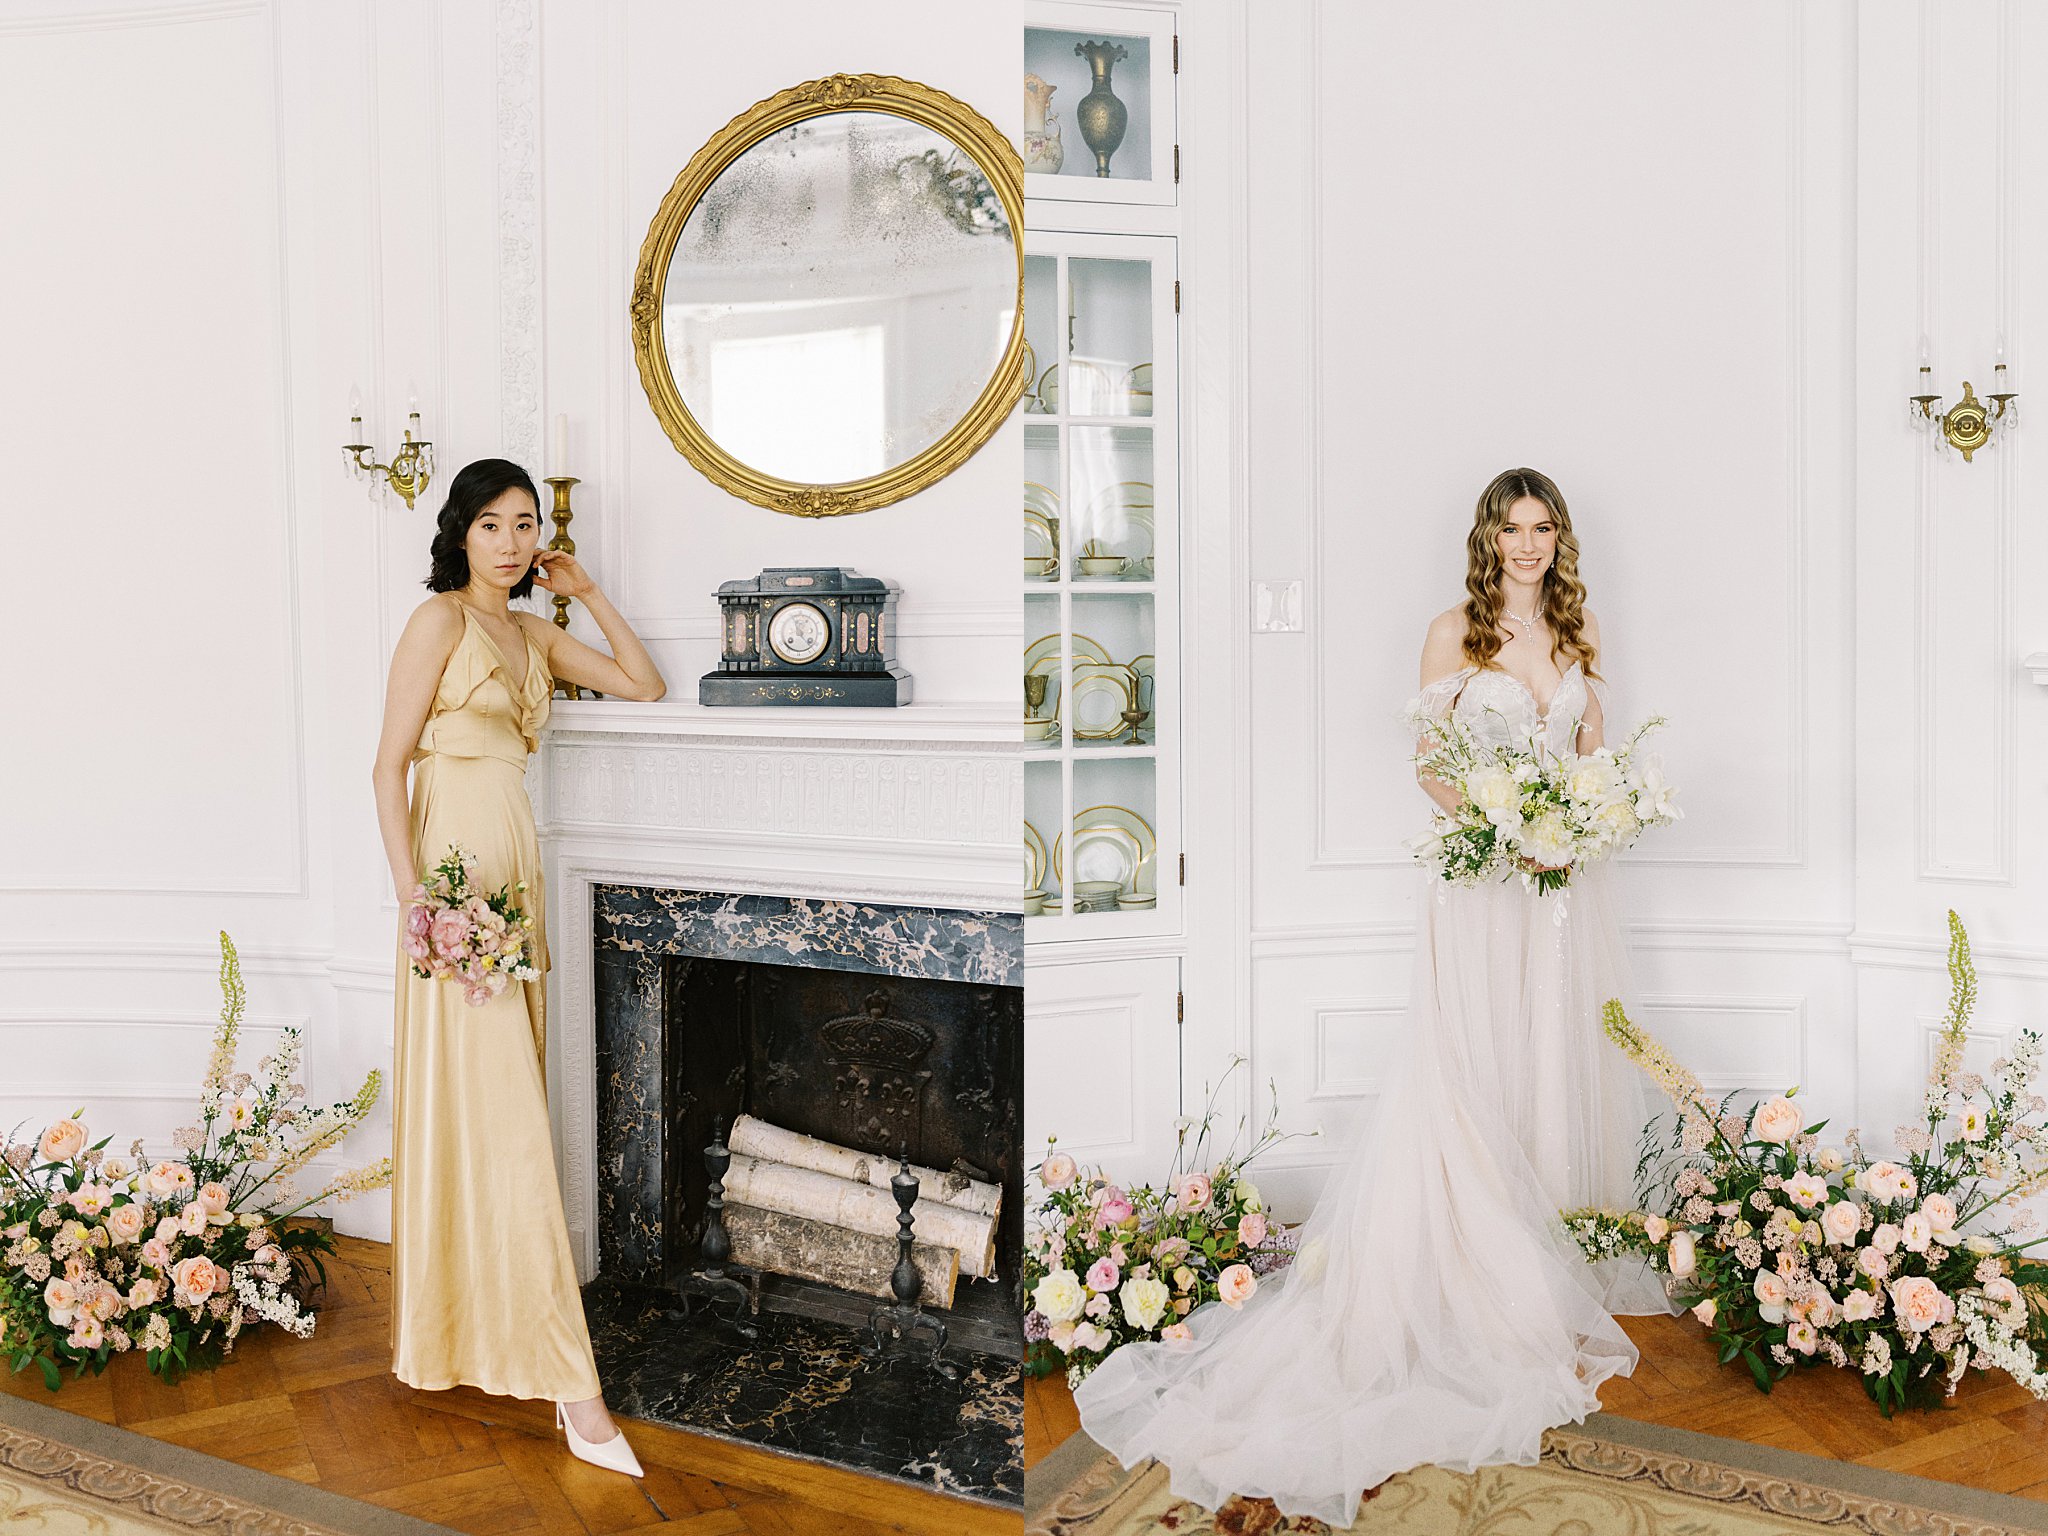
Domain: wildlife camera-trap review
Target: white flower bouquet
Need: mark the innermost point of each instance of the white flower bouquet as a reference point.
(1793, 1253)
(454, 933)
(1524, 810)
(1105, 1266)
(100, 1255)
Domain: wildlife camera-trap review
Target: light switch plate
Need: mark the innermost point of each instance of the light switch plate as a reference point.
(1276, 607)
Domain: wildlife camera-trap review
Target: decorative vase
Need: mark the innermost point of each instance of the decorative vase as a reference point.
(1103, 118)
(1043, 151)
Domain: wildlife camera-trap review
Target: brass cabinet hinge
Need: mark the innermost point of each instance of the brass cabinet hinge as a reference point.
(1176, 53)
(1180, 1007)
(1183, 869)
(1176, 295)
(1176, 165)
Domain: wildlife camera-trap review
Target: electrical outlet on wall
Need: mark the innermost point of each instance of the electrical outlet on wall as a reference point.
(1276, 607)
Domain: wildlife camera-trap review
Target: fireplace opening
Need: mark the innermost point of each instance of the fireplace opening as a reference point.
(884, 1065)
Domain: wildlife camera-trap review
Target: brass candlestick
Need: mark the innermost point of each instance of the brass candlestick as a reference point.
(561, 541)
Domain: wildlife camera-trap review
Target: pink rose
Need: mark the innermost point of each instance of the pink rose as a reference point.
(416, 946)
(156, 1253)
(1057, 1171)
(1885, 1239)
(1103, 1275)
(1777, 1120)
(476, 997)
(198, 1277)
(2004, 1295)
(1771, 1294)
(1872, 1261)
(419, 921)
(1192, 1192)
(62, 1141)
(1684, 1257)
(1940, 1212)
(167, 1178)
(1859, 1306)
(124, 1222)
(451, 927)
(1919, 1304)
(1842, 1221)
(143, 1293)
(1170, 1252)
(61, 1297)
(215, 1198)
(1114, 1209)
(1235, 1285)
(1176, 1333)
(1251, 1228)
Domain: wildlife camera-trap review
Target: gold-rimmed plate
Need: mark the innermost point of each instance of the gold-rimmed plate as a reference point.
(1043, 654)
(1101, 692)
(1108, 838)
(1034, 859)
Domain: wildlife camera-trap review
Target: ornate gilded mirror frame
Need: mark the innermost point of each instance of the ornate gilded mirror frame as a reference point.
(991, 152)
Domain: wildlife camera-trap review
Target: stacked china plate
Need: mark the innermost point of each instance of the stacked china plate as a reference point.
(1096, 895)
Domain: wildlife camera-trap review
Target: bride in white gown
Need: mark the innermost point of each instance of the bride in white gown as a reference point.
(1436, 1313)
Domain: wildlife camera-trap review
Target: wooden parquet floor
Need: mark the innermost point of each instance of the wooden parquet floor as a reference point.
(326, 1410)
(1992, 1436)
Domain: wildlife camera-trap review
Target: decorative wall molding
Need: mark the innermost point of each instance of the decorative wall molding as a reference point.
(93, 956)
(519, 231)
(298, 884)
(1326, 1084)
(1999, 868)
(1307, 941)
(1793, 855)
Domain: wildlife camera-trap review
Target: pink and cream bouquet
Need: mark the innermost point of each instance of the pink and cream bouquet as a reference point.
(1106, 1266)
(454, 933)
(1909, 1270)
(100, 1255)
(1528, 811)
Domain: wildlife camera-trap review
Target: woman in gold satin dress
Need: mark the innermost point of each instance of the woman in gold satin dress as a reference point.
(483, 1288)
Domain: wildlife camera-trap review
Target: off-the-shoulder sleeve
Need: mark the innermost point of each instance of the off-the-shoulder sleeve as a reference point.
(1436, 699)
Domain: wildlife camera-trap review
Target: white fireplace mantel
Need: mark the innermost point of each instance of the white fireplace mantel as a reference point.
(917, 806)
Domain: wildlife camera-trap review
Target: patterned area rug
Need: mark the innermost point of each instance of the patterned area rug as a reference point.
(61, 1475)
(1607, 1475)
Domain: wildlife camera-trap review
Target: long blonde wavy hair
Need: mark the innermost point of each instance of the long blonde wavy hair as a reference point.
(1564, 595)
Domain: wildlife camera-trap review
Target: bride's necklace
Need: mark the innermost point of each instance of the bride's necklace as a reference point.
(1528, 623)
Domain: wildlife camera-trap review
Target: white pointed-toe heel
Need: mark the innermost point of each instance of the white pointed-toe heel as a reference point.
(614, 1455)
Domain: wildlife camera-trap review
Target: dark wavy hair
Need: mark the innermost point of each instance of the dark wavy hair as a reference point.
(474, 487)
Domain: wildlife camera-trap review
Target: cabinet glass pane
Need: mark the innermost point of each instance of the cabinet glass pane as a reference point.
(1111, 700)
(1110, 860)
(1109, 339)
(1042, 816)
(1041, 322)
(1096, 101)
(1112, 531)
(1043, 544)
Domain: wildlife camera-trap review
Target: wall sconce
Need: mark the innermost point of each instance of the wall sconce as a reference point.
(411, 467)
(1967, 425)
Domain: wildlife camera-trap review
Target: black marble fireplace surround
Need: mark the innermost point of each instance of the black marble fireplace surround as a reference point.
(807, 1013)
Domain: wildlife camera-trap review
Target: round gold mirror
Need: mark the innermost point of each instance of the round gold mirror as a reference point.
(828, 309)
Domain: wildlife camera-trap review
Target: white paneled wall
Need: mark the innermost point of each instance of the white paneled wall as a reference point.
(228, 213)
(1679, 258)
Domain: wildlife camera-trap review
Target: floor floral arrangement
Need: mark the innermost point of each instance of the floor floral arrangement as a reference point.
(1106, 1266)
(1910, 1271)
(100, 1255)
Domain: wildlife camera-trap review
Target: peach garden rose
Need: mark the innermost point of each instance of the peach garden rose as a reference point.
(62, 1141)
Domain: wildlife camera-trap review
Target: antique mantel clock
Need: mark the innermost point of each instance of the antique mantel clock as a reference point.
(806, 635)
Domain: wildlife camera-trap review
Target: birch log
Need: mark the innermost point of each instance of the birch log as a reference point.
(843, 1203)
(853, 1261)
(773, 1144)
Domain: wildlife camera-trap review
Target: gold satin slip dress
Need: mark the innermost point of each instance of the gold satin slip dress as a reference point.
(483, 1287)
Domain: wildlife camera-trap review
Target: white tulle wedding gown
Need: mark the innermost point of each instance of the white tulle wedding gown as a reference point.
(1435, 1313)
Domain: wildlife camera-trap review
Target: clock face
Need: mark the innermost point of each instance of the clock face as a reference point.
(798, 633)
